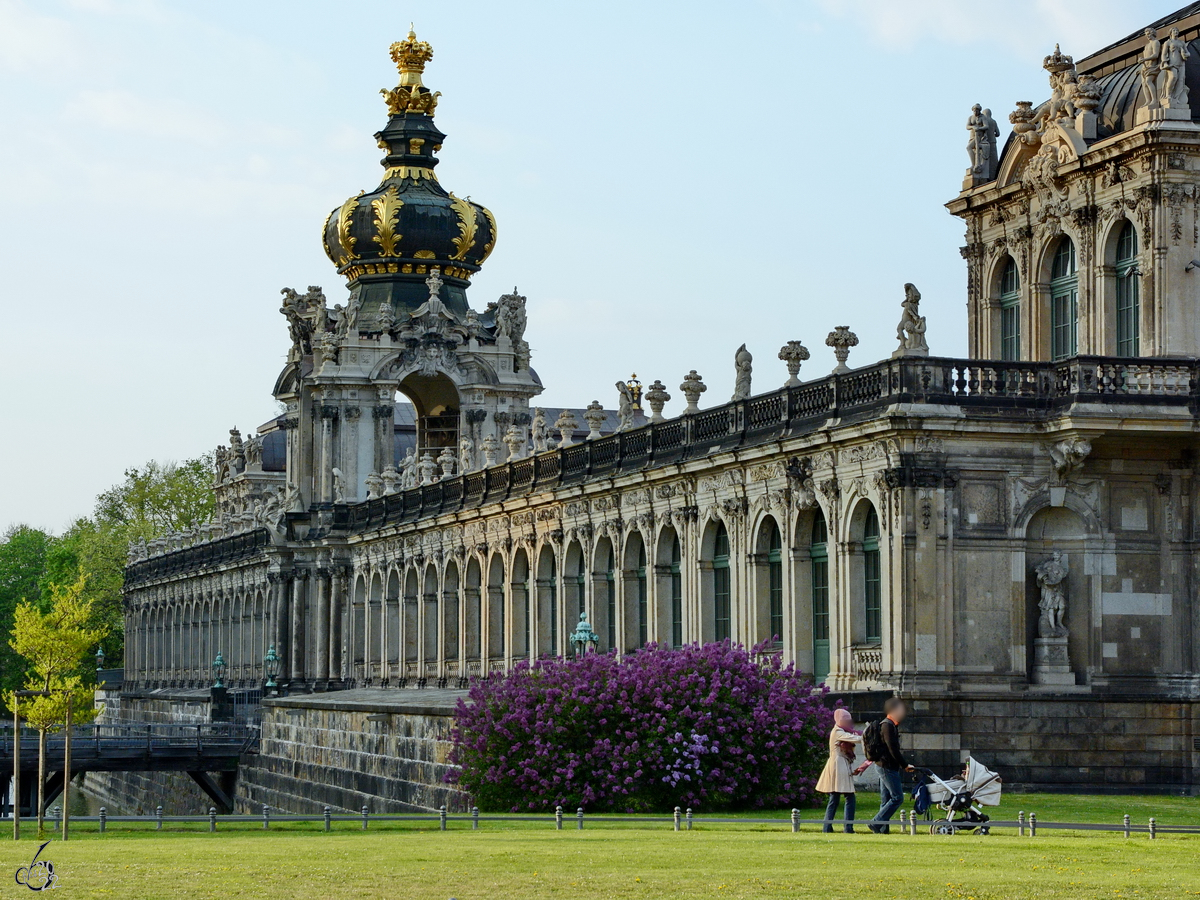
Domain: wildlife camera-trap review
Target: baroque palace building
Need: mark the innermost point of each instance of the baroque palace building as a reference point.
(1009, 539)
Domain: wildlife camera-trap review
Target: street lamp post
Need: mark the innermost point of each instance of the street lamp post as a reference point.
(219, 669)
(271, 666)
(584, 636)
(99, 658)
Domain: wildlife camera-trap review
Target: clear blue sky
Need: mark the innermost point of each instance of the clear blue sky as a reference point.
(670, 179)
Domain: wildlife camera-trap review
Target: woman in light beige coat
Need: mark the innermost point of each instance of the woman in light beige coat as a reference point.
(837, 779)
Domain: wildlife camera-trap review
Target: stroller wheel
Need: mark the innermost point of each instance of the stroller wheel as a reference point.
(943, 827)
(985, 829)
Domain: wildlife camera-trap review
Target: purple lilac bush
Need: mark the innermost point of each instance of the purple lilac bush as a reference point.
(711, 727)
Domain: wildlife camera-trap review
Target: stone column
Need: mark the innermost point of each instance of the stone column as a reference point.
(281, 604)
(325, 467)
(324, 573)
(299, 613)
(337, 600)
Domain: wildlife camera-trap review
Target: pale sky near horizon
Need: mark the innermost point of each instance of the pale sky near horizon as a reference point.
(670, 179)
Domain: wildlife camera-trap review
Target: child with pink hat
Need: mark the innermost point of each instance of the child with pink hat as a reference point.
(837, 779)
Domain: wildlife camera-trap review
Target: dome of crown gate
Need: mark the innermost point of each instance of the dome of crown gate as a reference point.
(385, 241)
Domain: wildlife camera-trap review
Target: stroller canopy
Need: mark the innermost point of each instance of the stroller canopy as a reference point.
(981, 783)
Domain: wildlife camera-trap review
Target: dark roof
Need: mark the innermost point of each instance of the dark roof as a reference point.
(1123, 52)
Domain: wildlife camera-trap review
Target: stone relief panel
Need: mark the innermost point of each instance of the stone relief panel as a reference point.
(982, 504)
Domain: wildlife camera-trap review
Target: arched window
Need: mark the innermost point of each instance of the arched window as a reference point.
(676, 592)
(1128, 298)
(722, 620)
(819, 554)
(610, 586)
(643, 596)
(775, 583)
(552, 597)
(1010, 311)
(1064, 302)
(872, 586)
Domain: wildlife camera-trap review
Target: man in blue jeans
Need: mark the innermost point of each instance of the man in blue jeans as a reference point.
(891, 764)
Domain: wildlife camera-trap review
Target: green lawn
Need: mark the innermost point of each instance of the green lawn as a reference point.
(529, 859)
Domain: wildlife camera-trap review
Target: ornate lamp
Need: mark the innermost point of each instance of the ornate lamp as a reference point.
(219, 669)
(271, 665)
(100, 657)
(584, 636)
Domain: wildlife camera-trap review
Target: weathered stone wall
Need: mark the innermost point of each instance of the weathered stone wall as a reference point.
(138, 793)
(1061, 742)
(387, 750)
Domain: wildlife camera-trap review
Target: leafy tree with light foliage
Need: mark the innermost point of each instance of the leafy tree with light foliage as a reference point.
(55, 643)
(23, 552)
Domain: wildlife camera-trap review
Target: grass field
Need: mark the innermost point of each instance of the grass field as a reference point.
(529, 859)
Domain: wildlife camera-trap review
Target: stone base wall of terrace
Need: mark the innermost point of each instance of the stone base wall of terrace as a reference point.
(1061, 742)
(386, 750)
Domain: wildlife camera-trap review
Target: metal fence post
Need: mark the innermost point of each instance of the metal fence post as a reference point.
(677, 816)
(158, 818)
(103, 819)
(579, 816)
(1125, 819)
(1153, 828)
(1021, 824)
(689, 818)
(1033, 824)
(442, 817)
(474, 818)
(266, 817)
(365, 814)
(558, 818)
(795, 821)
(212, 818)
(327, 817)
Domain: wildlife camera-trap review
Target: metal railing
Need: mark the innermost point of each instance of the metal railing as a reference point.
(98, 737)
(1025, 825)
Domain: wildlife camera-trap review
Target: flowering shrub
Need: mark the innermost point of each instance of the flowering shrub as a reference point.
(703, 726)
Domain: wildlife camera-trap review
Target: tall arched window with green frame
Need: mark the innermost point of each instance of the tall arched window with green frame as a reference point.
(872, 580)
(676, 592)
(1064, 302)
(643, 597)
(722, 593)
(1010, 311)
(610, 590)
(1128, 293)
(552, 591)
(818, 552)
(775, 584)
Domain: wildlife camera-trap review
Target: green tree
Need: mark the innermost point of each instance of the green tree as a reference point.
(55, 641)
(23, 552)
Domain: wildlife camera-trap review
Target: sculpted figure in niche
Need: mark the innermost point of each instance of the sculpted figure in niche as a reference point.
(910, 331)
(1051, 579)
(743, 367)
(465, 448)
(1172, 89)
(1150, 69)
(510, 316)
(339, 486)
(408, 470)
(981, 146)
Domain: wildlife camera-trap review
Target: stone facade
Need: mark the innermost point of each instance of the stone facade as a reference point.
(1009, 540)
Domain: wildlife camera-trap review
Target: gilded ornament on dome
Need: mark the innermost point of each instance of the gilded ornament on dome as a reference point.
(424, 254)
(411, 55)
(414, 172)
(401, 100)
(466, 227)
(487, 248)
(345, 238)
(387, 213)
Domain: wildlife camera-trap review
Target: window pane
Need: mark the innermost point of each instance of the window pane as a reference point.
(1128, 294)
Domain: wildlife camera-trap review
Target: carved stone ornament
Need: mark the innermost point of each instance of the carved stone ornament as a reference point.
(910, 331)
(657, 397)
(692, 388)
(1067, 456)
(793, 353)
(841, 339)
(743, 367)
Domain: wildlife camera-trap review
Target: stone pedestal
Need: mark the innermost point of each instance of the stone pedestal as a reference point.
(1144, 115)
(910, 352)
(1051, 664)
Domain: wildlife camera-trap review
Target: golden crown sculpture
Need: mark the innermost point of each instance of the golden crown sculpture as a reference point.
(410, 55)
(410, 95)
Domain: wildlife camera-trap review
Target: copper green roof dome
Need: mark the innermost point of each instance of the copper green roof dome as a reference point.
(385, 241)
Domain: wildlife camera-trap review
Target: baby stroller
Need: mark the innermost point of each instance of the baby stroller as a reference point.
(963, 797)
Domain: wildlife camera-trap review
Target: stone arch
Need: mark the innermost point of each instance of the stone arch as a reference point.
(393, 612)
(813, 571)
(410, 603)
(868, 600)
(767, 581)
(574, 578)
(716, 580)
(635, 591)
(472, 613)
(428, 621)
(451, 613)
(604, 593)
(548, 612)
(669, 613)
(374, 632)
(496, 617)
(520, 588)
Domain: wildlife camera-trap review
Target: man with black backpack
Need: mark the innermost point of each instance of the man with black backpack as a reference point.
(881, 742)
